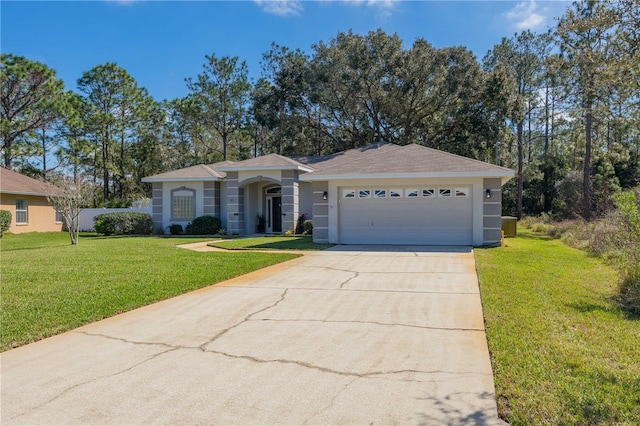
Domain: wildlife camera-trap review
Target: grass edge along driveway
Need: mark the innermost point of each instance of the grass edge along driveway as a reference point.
(271, 243)
(49, 286)
(562, 352)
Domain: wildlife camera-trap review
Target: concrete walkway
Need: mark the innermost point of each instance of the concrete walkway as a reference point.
(351, 335)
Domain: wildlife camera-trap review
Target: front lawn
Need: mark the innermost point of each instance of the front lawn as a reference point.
(562, 351)
(49, 286)
(271, 243)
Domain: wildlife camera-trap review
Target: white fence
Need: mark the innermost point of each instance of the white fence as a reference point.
(86, 215)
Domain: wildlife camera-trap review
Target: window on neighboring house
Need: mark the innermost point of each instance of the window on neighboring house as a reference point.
(22, 212)
(183, 204)
(59, 216)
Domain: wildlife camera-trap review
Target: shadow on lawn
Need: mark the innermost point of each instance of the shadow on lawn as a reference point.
(613, 308)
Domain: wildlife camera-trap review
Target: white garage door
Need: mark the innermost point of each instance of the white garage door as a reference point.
(438, 215)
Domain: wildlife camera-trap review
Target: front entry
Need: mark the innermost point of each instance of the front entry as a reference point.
(274, 210)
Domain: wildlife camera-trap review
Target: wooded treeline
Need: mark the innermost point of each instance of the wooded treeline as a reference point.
(561, 108)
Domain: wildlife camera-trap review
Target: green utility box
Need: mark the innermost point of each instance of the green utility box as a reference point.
(509, 226)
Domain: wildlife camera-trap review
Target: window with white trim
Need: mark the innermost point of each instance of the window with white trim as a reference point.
(183, 204)
(59, 216)
(411, 193)
(462, 192)
(428, 192)
(444, 192)
(364, 193)
(379, 193)
(395, 193)
(348, 193)
(22, 211)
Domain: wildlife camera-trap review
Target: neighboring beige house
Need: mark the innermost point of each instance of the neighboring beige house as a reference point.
(26, 199)
(379, 194)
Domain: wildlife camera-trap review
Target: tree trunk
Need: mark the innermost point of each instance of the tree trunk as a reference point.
(520, 167)
(586, 184)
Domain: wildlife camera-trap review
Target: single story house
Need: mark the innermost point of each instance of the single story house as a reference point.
(26, 199)
(378, 194)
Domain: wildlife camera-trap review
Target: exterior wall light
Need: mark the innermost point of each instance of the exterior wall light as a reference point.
(488, 193)
(325, 195)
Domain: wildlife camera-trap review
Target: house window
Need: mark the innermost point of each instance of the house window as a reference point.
(379, 193)
(349, 193)
(22, 212)
(183, 204)
(59, 216)
(444, 192)
(462, 192)
(428, 192)
(364, 193)
(395, 193)
(412, 193)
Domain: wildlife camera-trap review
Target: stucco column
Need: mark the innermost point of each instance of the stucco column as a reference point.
(235, 205)
(320, 212)
(156, 205)
(492, 211)
(290, 199)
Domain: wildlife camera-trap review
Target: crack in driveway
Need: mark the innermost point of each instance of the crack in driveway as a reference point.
(370, 374)
(63, 392)
(425, 327)
(245, 319)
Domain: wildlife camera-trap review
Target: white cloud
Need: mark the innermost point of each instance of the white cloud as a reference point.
(281, 7)
(383, 7)
(526, 15)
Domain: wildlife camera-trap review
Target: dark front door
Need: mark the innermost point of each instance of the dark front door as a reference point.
(276, 214)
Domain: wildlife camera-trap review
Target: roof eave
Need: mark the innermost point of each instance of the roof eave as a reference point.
(264, 168)
(182, 179)
(504, 175)
(34, 194)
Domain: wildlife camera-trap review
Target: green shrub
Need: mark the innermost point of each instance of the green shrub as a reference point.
(204, 225)
(307, 227)
(630, 289)
(175, 229)
(123, 223)
(5, 221)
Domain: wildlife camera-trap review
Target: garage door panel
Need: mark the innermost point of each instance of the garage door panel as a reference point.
(422, 220)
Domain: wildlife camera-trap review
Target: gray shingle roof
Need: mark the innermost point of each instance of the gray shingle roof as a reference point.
(377, 160)
(411, 159)
(270, 161)
(198, 172)
(16, 183)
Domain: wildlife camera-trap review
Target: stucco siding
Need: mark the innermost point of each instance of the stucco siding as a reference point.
(41, 216)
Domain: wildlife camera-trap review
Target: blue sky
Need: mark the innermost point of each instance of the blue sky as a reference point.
(160, 43)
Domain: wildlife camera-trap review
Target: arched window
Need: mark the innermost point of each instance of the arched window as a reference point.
(183, 204)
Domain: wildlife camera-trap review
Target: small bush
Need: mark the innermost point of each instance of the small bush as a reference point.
(629, 291)
(123, 223)
(5, 221)
(204, 225)
(175, 229)
(307, 227)
(300, 225)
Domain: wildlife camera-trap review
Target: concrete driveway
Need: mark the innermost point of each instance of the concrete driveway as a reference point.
(352, 335)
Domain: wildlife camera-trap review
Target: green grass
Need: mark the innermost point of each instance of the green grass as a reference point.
(562, 351)
(271, 243)
(49, 286)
